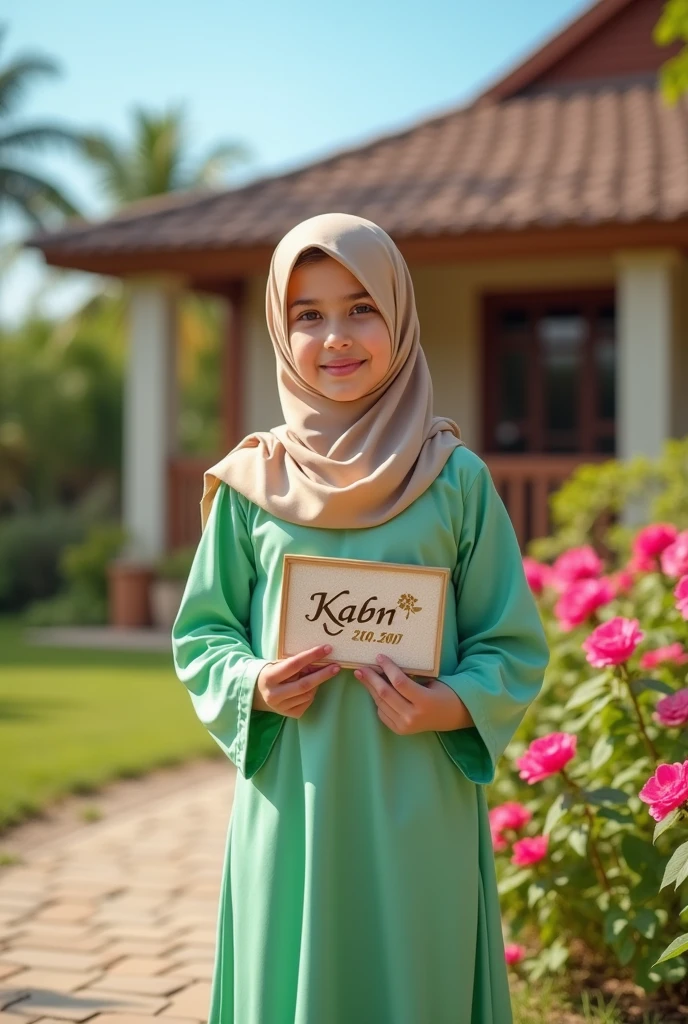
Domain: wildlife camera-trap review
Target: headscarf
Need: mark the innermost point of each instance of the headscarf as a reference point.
(343, 464)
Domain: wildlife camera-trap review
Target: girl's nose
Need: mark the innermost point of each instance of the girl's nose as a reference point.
(337, 339)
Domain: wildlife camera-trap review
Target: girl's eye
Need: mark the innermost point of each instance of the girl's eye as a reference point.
(361, 305)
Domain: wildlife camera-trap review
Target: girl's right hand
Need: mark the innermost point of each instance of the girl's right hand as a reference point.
(288, 686)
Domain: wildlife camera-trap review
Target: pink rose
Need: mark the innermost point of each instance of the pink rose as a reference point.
(672, 653)
(581, 599)
(509, 815)
(681, 595)
(672, 710)
(513, 953)
(622, 581)
(674, 558)
(666, 789)
(537, 573)
(613, 642)
(499, 843)
(649, 543)
(546, 756)
(529, 851)
(575, 564)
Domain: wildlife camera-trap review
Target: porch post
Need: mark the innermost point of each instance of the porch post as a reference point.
(233, 364)
(646, 317)
(149, 417)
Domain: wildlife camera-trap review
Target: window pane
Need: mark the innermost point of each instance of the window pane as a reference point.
(513, 322)
(513, 374)
(561, 335)
(605, 362)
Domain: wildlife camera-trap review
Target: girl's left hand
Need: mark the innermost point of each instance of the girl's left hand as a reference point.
(408, 707)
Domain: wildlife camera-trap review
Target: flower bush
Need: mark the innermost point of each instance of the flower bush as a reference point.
(592, 796)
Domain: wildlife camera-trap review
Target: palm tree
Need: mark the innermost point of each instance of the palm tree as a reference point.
(33, 195)
(156, 159)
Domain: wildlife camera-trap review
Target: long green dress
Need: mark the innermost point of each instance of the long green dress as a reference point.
(359, 883)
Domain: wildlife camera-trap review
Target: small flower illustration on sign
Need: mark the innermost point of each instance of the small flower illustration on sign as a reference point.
(407, 603)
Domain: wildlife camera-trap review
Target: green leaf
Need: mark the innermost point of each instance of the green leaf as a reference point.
(666, 823)
(645, 922)
(675, 948)
(674, 868)
(557, 811)
(601, 752)
(605, 795)
(638, 685)
(623, 817)
(578, 724)
(513, 881)
(536, 890)
(626, 949)
(615, 921)
(578, 840)
(642, 857)
(587, 691)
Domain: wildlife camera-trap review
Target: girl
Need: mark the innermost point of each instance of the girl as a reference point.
(359, 883)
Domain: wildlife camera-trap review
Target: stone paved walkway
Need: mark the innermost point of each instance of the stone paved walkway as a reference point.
(116, 924)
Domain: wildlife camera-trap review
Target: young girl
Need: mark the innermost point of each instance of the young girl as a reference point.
(359, 883)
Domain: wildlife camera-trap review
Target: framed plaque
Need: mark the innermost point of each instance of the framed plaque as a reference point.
(363, 608)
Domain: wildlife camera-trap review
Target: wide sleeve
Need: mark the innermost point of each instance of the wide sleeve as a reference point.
(502, 648)
(211, 642)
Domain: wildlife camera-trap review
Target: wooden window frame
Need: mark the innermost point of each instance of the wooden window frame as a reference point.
(493, 303)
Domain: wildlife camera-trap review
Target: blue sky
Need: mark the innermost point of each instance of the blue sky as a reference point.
(291, 81)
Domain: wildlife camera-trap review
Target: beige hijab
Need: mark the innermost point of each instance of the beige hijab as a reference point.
(343, 465)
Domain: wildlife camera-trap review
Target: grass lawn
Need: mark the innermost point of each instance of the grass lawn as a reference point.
(71, 720)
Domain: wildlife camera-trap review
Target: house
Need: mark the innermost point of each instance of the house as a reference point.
(545, 225)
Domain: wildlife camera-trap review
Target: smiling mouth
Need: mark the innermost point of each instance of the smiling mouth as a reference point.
(342, 369)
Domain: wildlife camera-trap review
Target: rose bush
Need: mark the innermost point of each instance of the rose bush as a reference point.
(591, 797)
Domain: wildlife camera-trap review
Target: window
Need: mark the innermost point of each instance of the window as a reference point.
(549, 373)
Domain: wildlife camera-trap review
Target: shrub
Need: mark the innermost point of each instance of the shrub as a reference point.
(83, 566)
(30, 546)
(588, 859)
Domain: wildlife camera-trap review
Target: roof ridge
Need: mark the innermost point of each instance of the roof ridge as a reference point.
(554, 46)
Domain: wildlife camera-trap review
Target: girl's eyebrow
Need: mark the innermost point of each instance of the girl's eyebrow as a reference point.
(314, 302)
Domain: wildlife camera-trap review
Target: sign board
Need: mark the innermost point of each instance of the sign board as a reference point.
(363, 608)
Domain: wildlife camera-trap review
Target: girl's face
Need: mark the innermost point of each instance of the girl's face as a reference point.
(339, 340)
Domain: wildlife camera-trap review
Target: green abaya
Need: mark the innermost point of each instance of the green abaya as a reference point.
(359, 882)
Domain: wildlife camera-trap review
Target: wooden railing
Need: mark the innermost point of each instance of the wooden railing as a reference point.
(185, 488)
(523, 481)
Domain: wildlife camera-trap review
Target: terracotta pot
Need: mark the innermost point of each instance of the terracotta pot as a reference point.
(129, 594)
(165, 599)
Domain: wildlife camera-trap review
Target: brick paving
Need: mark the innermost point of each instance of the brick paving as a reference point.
(115, 923)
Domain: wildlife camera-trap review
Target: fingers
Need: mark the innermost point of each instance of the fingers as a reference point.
(382, 691)
(288, 667)
(306, 683)
(407, 687)
(298, 703)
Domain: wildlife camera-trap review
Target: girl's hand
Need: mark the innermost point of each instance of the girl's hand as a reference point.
(288, 686)
(408, 707)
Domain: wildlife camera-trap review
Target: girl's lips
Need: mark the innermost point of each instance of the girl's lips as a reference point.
(344, 368)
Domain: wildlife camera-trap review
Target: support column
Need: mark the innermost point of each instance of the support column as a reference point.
(646, 347)
(233, 364)
(149, 417)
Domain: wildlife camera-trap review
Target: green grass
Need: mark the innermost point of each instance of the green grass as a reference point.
(71, 720)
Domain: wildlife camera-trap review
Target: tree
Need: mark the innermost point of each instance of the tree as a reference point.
(33, 195)
(156, 158)
(673, 27)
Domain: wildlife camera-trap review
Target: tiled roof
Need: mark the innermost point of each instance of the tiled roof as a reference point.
(587, 158)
